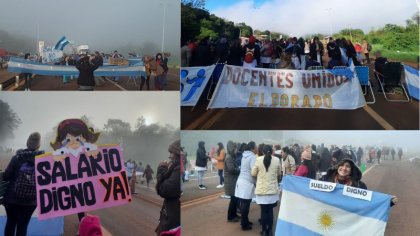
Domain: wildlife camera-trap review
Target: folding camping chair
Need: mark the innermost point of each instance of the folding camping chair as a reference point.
(316, 68)
(391, 74)
(363, 75)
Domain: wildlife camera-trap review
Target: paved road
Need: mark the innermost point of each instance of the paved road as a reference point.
(54, 83)
(208, 217)
(381, 115)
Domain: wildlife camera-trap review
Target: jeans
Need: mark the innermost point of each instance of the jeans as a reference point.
(222, 179)
(18, 218)
(200, 175)
(267, 217)
(245, 203)
(145, 80)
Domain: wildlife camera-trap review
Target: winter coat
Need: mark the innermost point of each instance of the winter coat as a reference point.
(231, 174)
(288, 165)
(202, 158)
(267, 181)
(220, 165)
(235, 55)
(257, 54)
(313, 52)
(86, 69)
(356, 175)
(148, 173)
(201, 56)
(325, 161)
(11, 173)
(245, 185)
(168, 187)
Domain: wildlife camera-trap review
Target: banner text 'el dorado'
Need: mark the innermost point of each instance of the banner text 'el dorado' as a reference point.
(271, 88)
(83, 183)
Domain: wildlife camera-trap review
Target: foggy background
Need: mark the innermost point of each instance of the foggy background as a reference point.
(104, 25)
(144, 124)
(408, 140)
(302, 17)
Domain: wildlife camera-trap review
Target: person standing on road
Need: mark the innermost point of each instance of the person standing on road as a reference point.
(306, 169)
(268, 172)
(220, 165)
(288, 165)
(231, 176)
(168, 187)
(366, 48)
(378, 155)
(201, 164)
(393, 153)
(20, 195)
(86, 66)
(245, 186)
(400, 153)
(148, 174)
(27, 76)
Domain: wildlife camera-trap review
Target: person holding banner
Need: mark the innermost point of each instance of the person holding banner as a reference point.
(20, 196)
(268, 172)
(251, 54)
(245, 185)
(168, 187)
(86, 66)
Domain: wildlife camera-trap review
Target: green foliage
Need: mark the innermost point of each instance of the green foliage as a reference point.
(9, 121)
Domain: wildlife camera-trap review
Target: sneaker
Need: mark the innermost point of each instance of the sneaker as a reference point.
(248, 227)
(202, 187)
(234, 220)
(219, 186)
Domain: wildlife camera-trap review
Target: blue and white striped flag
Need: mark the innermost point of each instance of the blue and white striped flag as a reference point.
(310, 207)
(413, 82)
(61, 43)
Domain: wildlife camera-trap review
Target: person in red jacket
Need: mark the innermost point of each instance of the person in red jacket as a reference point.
(307, 169)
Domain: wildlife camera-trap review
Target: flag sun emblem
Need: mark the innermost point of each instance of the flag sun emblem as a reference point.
(325, 220)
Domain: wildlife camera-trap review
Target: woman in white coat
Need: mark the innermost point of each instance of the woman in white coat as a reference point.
(245, 185)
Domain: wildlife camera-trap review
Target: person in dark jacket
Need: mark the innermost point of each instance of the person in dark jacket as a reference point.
(86, 67)
(325, 161)
(19, 208)
(235, 53)
(201, 164)
(148, 174)
(231, 176)
(201, 55)
(359, 156)
(168, 186)
(316, 50)
(251, 54)
(345, 172)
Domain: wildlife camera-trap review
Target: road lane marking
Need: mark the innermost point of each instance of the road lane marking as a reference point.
(378, 118)
(370, 168)
(117, 85)
(195, 124)
(201, 200)
(213, 120)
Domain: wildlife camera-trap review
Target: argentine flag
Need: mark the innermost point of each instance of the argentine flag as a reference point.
(306, 211)
(61, 43)
(413, 82)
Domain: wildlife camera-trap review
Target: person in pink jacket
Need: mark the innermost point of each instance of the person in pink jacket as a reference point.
(307, 169)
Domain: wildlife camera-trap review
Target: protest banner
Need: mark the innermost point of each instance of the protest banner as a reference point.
(118, 61)
(330, 209)
(19, 65)
(271, 88)
(82, 183)
(193, 82)
(50, 55)
(413, 82)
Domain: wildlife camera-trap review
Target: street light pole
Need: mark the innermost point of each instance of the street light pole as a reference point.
(329, 13)
(163, 25)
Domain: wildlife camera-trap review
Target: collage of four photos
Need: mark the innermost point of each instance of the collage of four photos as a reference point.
(205, 117)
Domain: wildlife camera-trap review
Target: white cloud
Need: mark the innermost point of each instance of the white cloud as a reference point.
(302, 17)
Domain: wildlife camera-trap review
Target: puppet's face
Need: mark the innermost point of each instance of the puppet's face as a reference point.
(73, 142)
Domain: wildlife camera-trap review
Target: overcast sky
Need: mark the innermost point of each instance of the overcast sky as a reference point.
(409, 140)
(302, 17)
(98, 23)
(41, 111)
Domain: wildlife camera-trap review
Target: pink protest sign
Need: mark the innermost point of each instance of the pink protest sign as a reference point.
(68, 184)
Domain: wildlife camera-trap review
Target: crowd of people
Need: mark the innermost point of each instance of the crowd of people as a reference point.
(291, 53)
(156, 67)
(250, 172)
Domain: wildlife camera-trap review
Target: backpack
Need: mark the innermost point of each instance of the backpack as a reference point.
(249, 55)
(369, 47)
(25, 187)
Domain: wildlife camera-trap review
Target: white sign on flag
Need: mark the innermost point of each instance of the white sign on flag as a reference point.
(193, 82)
(271, 88)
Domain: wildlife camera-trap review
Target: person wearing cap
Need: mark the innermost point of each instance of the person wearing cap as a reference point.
(19, 209)
(307, 168)
(251, 54)
(168, 187)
